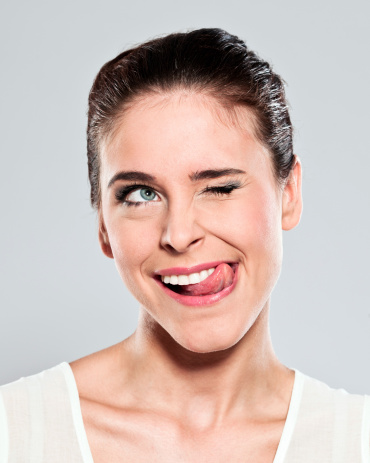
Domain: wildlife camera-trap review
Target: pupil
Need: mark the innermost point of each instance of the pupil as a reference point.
(146, 194)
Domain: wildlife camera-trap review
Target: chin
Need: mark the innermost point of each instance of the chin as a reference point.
(207, 341)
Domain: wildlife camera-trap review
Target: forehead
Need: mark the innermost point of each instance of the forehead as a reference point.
(179, 132)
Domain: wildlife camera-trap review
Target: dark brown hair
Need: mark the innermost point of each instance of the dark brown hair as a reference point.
(210, 61)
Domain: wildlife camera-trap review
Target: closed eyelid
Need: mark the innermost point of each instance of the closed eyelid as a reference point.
(232, 185)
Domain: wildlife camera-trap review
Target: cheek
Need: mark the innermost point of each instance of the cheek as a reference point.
(251, 224)
(265, 221)
(265, 238)
(132, 243)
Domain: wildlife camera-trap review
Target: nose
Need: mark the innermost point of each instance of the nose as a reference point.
(181, 231)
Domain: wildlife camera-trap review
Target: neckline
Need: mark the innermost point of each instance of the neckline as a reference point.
(281, 451)
(77, 413)
(291, 418)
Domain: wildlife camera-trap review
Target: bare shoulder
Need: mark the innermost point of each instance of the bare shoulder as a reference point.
(96, 373)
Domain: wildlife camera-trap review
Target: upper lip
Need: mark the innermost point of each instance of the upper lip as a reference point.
(188, 270)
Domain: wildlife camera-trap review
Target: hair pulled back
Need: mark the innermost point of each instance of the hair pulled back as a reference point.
(210, 61)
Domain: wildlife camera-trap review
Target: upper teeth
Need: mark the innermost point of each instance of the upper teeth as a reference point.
(187, 279)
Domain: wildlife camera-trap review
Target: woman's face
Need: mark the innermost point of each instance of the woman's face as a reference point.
(185, 189)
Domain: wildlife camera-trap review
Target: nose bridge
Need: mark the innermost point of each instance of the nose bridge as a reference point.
(181, 229)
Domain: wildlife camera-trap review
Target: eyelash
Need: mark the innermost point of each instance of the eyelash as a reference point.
(221, 190)
(122, 194)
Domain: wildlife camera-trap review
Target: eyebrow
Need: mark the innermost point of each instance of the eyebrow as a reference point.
(136, 175)
(131, 175)
(214, 173)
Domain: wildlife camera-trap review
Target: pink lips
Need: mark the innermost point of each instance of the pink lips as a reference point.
(188, 270)
(196, 300)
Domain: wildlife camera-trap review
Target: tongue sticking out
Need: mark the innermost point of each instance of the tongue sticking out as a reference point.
(220, 279)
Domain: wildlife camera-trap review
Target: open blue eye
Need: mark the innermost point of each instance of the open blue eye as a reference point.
(141, 195)
(147, 194)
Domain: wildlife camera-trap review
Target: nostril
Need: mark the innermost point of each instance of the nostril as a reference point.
(180, 247)
(181, 231)
(181, 241)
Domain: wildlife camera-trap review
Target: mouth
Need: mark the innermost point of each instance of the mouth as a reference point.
(206, 286)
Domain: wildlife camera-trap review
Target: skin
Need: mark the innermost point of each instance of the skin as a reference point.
(192, 383)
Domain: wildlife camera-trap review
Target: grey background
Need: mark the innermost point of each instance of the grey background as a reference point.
(60, 297)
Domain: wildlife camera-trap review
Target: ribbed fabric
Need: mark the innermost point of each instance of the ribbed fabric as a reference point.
(4, 438)
(291, 419)
(39, 415)
(76, 414)
(330, 426)
(366, 431)
(41, 422)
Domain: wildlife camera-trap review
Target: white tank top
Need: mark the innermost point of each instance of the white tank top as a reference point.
(41, 422)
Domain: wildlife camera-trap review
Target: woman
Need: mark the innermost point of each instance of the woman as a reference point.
(193, 177)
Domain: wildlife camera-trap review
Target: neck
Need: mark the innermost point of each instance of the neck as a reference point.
(220, 384)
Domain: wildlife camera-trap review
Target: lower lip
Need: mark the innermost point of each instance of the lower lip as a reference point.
(197, 301)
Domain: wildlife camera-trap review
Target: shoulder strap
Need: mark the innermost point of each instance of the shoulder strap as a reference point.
(330, 426)
(4, 438)
(366, 431)
(36, 420)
